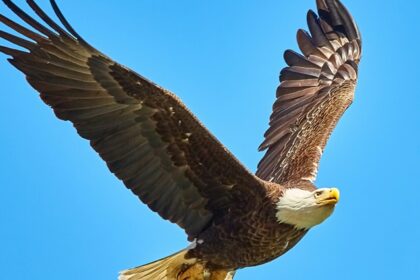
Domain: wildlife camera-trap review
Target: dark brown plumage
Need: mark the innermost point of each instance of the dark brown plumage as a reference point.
(166, 157)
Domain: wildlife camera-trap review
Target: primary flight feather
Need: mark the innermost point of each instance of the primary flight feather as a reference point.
(165, 156)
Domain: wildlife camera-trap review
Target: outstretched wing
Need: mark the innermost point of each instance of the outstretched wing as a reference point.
(314, 92)
(146, 135)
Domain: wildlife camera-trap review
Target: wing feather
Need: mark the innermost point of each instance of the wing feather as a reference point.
(315, 90)
(145, 134)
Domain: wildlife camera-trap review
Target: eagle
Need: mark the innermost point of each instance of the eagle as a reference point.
(154, 144)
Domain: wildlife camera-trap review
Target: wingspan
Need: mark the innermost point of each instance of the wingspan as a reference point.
(146, 135)
(315, 90)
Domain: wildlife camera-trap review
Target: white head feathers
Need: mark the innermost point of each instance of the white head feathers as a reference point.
(302, 208)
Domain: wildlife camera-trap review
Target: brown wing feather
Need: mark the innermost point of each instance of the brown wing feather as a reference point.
(315, 90)
(146, 135)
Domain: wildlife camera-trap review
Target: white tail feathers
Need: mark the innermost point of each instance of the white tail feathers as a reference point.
(163, 269)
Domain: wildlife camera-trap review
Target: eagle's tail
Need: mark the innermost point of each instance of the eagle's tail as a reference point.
(163, 269)
(174, 267)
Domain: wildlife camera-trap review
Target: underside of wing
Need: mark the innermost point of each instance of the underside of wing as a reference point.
(315, 90)
(145, 134)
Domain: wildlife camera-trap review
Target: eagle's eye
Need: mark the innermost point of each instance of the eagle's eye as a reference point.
(318, 193)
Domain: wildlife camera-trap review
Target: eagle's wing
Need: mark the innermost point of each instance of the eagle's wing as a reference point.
(314, 92)
(146, 135)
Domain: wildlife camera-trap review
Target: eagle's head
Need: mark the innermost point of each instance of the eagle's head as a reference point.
(306, 208)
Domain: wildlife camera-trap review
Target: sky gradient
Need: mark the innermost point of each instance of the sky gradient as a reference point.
(64, 216)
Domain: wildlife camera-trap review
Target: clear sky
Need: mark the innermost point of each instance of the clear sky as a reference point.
(64, 216)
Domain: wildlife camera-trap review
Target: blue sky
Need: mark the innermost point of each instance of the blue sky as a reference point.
(63, 214)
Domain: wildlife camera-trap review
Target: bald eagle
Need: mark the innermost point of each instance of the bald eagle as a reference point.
(166, 157)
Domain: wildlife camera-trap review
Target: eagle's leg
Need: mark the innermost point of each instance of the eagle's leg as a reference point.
(191, 272)
(197, 271)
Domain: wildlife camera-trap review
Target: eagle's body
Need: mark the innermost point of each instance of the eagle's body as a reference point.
(165, 156)
(249, 235)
